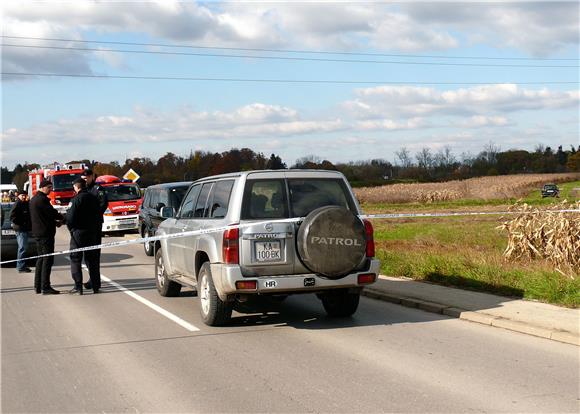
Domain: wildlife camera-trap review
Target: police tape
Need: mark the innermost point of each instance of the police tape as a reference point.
(181, 234)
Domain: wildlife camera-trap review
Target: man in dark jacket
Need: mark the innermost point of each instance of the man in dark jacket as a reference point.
(92, 187)
(20, 218)
(83, 219)
(45, 219)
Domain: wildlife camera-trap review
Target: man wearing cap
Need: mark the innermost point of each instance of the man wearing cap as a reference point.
(93, 188)
(45, 219)
(20, 218)
(83, 222)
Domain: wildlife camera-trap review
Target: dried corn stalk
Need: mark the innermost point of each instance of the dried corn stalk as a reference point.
(545, 234)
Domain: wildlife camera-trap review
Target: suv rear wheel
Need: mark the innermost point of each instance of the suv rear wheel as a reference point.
(340, 303)
(214, 311)
(165, 287)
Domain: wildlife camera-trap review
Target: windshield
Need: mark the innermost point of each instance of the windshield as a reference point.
(63, 182)
(550, 187)
(122, 192)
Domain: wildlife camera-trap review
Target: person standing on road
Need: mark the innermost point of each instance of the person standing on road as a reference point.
(20, 218)
(84, 224)
(44, 219)
(93, 188)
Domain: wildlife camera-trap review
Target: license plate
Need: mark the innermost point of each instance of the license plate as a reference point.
(8, 232)
(268, 251)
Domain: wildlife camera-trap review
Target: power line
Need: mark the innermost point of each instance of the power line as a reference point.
(286, 58)
(287, 50)
(295, 81)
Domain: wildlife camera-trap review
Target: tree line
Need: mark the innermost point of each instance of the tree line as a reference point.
(423, 165)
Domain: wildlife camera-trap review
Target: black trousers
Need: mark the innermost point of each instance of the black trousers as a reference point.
(44, 245)
(85, 238)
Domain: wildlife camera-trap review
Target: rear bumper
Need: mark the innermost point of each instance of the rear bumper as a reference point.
(226, 276)
(121, 223)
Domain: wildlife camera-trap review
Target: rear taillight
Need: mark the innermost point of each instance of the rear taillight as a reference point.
(366, 278)
(370, 251)
(247, 285)
(231, 246)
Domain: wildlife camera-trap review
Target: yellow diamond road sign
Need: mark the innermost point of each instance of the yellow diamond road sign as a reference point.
(131, 175)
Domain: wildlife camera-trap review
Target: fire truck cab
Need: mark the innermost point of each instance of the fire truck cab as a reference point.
(125, 200)
(62, 177)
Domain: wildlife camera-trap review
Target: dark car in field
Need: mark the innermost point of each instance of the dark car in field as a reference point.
(156, 197)
(550, 190)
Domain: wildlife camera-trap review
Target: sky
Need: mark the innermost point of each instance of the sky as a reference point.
(342, 81)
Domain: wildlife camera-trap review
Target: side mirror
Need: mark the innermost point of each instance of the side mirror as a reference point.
(167, 212)
(159, 206)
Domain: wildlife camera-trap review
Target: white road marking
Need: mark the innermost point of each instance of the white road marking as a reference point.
(156, 308)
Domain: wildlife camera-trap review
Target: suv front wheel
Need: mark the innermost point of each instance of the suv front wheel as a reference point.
(214, 311)
(165, 287)
(340, 302)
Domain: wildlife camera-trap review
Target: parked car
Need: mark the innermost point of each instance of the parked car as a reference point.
(156, 197)
(8, 243)
(550, 190)
(299, 232)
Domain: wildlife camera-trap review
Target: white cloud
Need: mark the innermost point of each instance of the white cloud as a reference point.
(304, 25)
(479, 121)
(540, 28)
(410, 102)
(251, 121)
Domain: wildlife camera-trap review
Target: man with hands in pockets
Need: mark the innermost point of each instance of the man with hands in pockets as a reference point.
(84, 223)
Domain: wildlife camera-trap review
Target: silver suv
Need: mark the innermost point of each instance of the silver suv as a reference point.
(267, 233)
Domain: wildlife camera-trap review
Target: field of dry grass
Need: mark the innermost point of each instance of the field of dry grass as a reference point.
(533, 256)
(483, 188)
(543, 234)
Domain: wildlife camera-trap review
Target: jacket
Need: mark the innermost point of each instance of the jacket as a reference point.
(98, 192)
(43, 216)
(84, 212)
(20, 216)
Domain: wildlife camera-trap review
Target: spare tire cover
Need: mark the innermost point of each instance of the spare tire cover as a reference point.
(331, 241)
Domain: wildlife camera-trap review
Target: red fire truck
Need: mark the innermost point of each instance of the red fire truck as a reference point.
(61, 176)
(125, 200)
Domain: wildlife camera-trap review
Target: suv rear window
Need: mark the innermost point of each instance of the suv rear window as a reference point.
(264, 199)
(309, 194)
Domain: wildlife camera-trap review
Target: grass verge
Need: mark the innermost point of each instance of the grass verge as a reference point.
(467, 252)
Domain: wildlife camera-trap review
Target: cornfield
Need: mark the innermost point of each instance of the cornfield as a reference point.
(546, 234)
(484, 188)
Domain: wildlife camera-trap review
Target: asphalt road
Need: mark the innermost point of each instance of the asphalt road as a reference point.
(135, 351)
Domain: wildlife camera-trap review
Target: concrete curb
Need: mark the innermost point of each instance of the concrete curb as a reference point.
(474, 316)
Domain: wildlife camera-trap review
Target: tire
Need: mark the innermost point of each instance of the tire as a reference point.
(331, 242)
(165, 286)
(340, 303)
(148, 246)
(214, 311)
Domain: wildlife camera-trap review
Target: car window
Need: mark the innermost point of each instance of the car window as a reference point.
(186, 210)
(220, 199)
(163, 197)
(147, 198)
(201, 205)
(153, 198)
(264, 199)
(176, 195)
(307, 195)
(5, 219)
